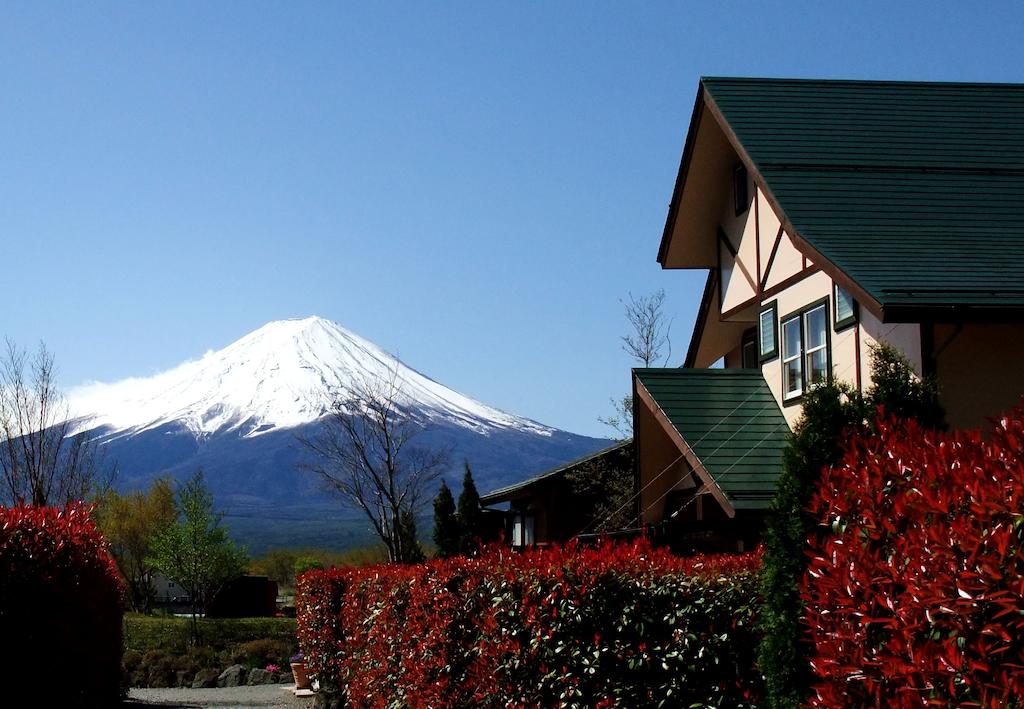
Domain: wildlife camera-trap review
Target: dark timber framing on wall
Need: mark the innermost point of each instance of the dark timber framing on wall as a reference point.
(789, 135)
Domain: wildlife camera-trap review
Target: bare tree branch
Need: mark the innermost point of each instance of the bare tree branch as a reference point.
(365, 454)
(41, 463)
(651, 333)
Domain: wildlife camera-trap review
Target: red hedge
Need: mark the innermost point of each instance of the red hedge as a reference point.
(60, 607)
(623, 625)
(915, 591)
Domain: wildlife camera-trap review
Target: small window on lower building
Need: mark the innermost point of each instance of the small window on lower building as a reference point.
(748, 350)
(845, 308)
(522, 530)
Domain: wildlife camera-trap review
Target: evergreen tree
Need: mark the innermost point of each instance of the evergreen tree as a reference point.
(471, 516)
(411, 551)
(830, 412)
(447, 535)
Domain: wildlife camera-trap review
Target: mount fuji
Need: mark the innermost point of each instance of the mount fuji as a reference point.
(237, 413)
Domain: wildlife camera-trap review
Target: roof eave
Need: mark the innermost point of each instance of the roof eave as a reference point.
(702, 318)
(517, 490)
(684, 167)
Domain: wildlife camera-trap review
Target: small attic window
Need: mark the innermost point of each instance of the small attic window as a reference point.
(740, 195)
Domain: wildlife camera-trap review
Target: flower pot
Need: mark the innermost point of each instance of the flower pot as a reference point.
(301, 678)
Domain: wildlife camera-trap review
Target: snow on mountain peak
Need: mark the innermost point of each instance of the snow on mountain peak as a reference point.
(280, 375)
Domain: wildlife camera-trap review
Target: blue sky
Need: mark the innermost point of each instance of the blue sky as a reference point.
(472, 186)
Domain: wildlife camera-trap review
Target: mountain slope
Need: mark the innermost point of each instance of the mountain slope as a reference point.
(237, 412)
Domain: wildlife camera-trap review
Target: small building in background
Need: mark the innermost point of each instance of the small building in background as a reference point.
(569, 500)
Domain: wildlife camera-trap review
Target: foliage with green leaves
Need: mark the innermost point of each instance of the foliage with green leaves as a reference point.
(194, 551)
(831, 413)
(602, 490)
(128, 523)
(447, 533)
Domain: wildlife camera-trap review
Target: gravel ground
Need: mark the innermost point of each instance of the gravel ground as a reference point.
(264, 695)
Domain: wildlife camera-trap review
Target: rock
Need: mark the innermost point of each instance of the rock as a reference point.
(328, 700)
(183, 678)
(158, 678)
(259, 676)
(205, 679)
(233, 676)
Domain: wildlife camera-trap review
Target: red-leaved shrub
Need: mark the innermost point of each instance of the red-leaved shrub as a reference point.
(623, 625)
(60, 607)
(915, 589)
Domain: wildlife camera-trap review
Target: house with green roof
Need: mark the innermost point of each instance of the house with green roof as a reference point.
(829, 215)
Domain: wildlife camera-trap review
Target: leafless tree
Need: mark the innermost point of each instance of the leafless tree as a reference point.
(40, 461)
(365, 453)
(651, 333)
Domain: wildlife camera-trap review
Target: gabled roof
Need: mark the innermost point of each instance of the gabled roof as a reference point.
(509, 492)
(913, 191)
(732, 423)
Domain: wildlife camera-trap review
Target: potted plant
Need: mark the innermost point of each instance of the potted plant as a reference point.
(298, 664)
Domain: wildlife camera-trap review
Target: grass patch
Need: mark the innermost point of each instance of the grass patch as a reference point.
(157, 654)
(144, 633)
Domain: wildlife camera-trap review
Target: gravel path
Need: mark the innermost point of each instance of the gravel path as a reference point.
(264, 695)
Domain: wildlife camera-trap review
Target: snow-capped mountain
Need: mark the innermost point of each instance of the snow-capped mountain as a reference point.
(237, 412)
(279, 376)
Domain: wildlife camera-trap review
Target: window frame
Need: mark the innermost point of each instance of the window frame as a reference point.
(801, 314)
(838, 325)
(749, 339)
(772, 307)
(740, 188)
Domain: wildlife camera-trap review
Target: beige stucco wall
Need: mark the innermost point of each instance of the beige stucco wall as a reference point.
(788, 261)
(740, 273)
(979, 371)
(906, 337)
(843, 344)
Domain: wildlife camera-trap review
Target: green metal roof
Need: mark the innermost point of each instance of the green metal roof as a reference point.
(731, 422)
(508, 492)
(914, 190)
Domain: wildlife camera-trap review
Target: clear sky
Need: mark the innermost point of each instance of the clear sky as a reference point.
(472, 186)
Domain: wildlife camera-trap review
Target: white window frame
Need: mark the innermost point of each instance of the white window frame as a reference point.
(788, 357)
(803, 354)
(808, 351)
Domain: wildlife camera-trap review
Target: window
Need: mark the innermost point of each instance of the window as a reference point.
(739, 189)
(522, 529)
(767, 325)
(805, 356)
(844, 311)
(748, 350)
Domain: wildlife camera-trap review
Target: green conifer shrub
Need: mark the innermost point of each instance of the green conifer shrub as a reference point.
(832, 412)
(447, 535)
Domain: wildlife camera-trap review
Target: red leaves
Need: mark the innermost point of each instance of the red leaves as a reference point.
(915, 587)
(560, 626)
(60, 599)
